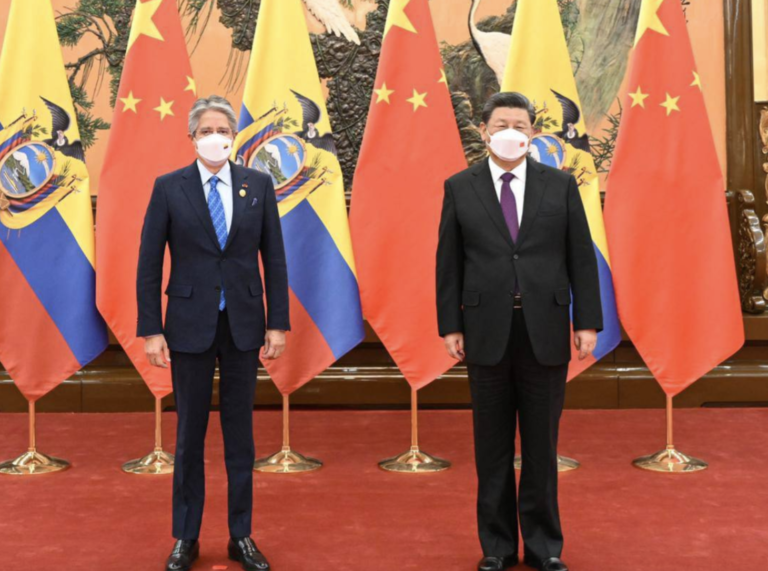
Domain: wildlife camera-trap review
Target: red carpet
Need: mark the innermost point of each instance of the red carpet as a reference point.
(351, 516)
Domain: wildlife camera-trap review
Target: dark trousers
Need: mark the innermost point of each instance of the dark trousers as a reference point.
(518, 387)
(193, 386)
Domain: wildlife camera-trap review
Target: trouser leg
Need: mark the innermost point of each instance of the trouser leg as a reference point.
(192, 375)
(540, 392)
(493, 413)
(238, 371)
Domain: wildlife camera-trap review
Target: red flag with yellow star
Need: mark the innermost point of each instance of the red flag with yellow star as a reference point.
(665, 212)
(148, 138)
(411, 145)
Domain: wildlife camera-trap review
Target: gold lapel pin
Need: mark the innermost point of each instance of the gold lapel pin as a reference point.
(242, 192)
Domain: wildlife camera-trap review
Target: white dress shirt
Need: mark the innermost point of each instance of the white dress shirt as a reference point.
(224, 186)
(517, 184)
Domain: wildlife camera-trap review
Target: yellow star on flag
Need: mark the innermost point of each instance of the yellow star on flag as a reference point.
(696, 81)
(165, 108)
(130, 102)
(142, 22)
(191, 85)
(417, 100)
(670, 104)
(649, 19)
(443, 78)
(638, 97)
(397, 17)
(383, 93)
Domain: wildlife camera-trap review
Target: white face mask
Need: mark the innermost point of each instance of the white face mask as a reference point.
(509, 144)
(214, 148)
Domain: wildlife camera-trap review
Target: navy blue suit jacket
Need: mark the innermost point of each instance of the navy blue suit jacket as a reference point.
(178, 217)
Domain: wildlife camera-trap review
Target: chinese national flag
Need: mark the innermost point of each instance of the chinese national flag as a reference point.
(411, 145)
(148, 138)
(666, 215)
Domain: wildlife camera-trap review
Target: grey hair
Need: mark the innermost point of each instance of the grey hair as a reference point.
(212, 103)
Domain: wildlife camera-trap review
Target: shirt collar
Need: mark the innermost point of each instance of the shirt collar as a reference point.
(224, 175)
(519, 171)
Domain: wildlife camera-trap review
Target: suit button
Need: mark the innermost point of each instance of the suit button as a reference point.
(515, 257)
(217, 288)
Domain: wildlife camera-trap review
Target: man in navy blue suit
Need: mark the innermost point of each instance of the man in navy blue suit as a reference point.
(215, 217)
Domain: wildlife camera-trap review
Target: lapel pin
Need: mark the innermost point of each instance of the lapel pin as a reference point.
(255, 200)
(242, 192)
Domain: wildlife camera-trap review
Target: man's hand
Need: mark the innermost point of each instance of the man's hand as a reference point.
(585, 341)
(157, 351)
(454, 344)
(274, 344)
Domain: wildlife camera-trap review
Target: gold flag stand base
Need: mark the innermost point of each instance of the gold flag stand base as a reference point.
(670, 460)
(414, 461)
(286, 461)
(564, 464)
(157, 462)
(32, 462)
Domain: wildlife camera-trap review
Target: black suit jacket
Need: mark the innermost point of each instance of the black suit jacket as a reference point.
(478, 264)
(178, 217)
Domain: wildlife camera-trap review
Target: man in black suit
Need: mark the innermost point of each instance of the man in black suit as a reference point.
(514, 245)
(215, 217)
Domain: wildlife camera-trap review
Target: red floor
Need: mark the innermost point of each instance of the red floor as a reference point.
(351, 516)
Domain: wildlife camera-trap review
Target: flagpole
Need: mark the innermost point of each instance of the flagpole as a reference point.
(670, 459)
(286, 461)
(415, 460)
(158, 461)
(33, 462)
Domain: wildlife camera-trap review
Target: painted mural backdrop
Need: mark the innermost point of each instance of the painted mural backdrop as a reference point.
(346, 39)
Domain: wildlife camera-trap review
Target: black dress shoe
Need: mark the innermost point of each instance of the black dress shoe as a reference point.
(497, 563)
(245, 551)
(551, 564)
(184, 553)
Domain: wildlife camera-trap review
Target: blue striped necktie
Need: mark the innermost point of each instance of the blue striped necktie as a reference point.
(216, 208)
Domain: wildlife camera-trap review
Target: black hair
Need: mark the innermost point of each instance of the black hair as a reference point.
(510, 99)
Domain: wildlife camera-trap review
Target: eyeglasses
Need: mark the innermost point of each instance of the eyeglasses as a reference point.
(208, 131)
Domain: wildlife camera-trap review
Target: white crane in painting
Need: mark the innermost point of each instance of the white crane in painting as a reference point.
(331, 15)
(493, 46)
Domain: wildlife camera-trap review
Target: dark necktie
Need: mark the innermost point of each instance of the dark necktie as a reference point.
(509, 205)
(509, 208)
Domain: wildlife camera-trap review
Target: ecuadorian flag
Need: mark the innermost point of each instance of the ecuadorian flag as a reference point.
(50, 327)
(539, 66)
(284, 131)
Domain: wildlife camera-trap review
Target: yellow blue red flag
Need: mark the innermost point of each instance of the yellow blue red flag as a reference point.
(284, 131)
(539, 66)
(47, 276)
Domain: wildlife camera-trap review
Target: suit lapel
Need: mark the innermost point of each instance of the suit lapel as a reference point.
(193, 189)
(239, 203)
(483, 186)
(535, 184)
